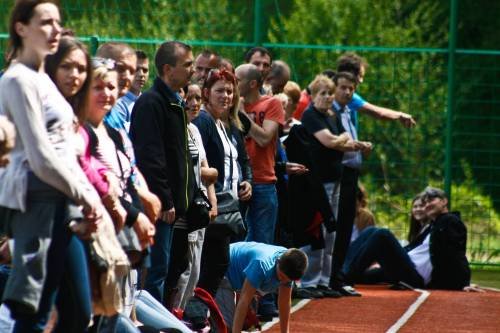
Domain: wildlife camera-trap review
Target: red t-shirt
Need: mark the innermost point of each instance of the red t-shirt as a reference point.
(262, 158)
(304, 101)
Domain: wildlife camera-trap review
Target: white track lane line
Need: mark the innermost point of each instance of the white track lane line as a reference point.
(296, 307)
(410, 312)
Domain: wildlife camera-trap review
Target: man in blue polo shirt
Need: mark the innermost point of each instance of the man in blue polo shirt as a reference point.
(259, 268)
(345, 83)
(356, 65)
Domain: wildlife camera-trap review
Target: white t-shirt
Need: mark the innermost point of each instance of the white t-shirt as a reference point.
(194, 138)
(421, 257)
(229, 151)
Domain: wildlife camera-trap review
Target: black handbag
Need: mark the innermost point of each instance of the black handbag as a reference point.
(228, 214)
(197, 214)
(228, 206)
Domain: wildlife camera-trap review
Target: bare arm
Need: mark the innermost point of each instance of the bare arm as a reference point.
(284, 305)
(210, 191)
(263, 135)
(151, 203)
(385, 113)
(240, 313)
(213, 201)
(208, 175)
(341, 142)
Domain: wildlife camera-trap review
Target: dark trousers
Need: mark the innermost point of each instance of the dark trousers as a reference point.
(160, 259)
(380, 245)
(345, 221)
(67, 286)
(214, 258)
(66, 269)
(178, 264)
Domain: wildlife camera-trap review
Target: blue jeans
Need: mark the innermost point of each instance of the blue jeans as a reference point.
(73, 298)
(115, 324)
(151, 313)
(4, 276)
(262, 214)
(380, 245)
(160, 258)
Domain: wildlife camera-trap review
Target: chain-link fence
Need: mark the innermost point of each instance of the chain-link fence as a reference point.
(410, 79)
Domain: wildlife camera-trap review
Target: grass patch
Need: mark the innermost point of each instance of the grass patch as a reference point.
(486, 277)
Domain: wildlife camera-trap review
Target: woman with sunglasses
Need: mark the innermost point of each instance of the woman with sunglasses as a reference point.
(107, 147)
(43, 185)
(71, 70)
(219, 98)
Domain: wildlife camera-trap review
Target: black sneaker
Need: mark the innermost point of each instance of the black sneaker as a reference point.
(328, 292)
(345, 290)
(306, 293)
(267, 312)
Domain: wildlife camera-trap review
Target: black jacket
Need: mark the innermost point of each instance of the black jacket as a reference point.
(450, 268)
(159, 134)
(215, 149)
(307, 196)
(447, 246)
(243, 159)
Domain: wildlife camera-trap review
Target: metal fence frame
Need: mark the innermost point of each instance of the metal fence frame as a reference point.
(451, 52)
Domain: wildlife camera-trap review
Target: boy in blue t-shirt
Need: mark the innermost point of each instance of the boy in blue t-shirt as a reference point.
(262, 268)
(354, 64)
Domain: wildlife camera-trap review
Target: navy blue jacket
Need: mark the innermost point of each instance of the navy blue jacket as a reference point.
(447, 246)
(215, 149)
(159, 133)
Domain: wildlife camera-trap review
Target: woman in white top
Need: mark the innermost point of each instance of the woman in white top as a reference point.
(218, 96)
(205, 178)
(43, 182)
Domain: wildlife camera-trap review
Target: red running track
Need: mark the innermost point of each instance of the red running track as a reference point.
(379, 308)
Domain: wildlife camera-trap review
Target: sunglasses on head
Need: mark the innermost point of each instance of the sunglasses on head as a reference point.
(220, 74)
(107, 63)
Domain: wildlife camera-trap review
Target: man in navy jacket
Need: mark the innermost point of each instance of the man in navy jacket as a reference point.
(159, 133)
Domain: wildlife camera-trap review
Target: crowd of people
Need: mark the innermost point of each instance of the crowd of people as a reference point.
(130, 210)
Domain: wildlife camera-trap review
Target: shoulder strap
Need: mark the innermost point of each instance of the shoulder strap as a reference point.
(93, 139)
(116, 137)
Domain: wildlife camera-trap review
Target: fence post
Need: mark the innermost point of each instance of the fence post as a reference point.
(94, 44)
(452, 45)
(257, 22)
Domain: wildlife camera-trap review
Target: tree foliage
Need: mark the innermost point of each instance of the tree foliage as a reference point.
(413, 81)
